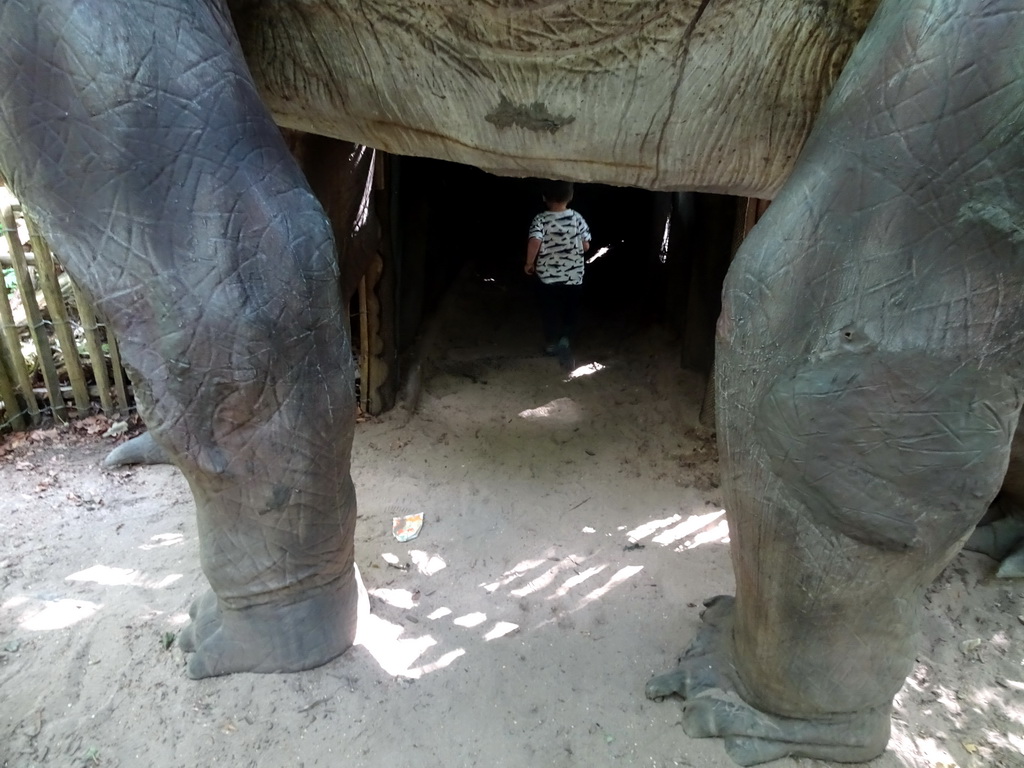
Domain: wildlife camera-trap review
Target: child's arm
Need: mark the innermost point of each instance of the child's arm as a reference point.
(584, 232)
(532, 249)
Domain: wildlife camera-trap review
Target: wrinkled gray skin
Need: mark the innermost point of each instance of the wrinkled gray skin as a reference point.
(869, 383)
(135, 134)
(868, 356)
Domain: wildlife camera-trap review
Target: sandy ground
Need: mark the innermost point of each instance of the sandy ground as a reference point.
(572, 529)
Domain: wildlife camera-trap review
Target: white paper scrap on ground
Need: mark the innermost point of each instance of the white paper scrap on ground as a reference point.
(407, 527)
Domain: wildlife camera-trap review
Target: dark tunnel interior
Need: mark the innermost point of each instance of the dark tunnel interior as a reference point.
(655, 258)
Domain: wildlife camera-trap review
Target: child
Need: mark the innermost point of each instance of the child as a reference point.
(558, 239)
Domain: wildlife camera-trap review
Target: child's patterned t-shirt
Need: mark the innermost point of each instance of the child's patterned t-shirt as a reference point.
(561, 235)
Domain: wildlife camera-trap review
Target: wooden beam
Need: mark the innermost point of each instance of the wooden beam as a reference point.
(14, 361)
(16, 417)
(34, 317)
(364, 349)
(94, 348)
(120, 385)
(59, 316)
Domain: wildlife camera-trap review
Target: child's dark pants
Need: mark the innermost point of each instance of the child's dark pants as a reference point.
(560, 308)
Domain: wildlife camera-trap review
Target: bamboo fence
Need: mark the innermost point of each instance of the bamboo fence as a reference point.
(57, 360)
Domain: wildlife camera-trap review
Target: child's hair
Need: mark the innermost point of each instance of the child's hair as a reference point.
(557, 191)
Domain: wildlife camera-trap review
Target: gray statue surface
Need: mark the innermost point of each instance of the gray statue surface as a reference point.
(869, 350)
(865, 416)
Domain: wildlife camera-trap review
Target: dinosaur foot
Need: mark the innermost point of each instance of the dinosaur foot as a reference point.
(714, 707)
(141, 449)
(1012, 566)
(1003, 540)
(272, 637)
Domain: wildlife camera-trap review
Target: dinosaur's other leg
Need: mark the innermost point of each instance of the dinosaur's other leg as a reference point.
(1000, 534)
(135, 134)
(869, 383)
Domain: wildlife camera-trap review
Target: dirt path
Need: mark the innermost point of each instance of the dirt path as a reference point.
(572, 529)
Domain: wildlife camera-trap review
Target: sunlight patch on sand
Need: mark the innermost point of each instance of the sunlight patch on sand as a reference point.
(645, 530)
(564, 410)
(715, 534)
(513, 573)
(385, 643)
(427, 564)
(44, 615)
(576, 580)
(586, 370)
(164, 540)
(399, 598)
(542, 581)
(441, 663)
(617, 578)
(706, 528)
(689, 526)
(917, 750)
(107, 576)
(501, 629)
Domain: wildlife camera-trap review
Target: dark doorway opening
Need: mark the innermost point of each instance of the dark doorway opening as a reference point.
(422, 226)
(657, 259)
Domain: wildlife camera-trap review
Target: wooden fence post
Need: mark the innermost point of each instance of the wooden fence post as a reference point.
(119, 381)
(16, 416)
(364, 349)
(16, 360)
(58, 315)
(94, 348)
(35, 318)
(16, 390)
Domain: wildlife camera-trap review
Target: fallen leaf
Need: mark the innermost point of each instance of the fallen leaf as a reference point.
(19, 441)
(92, 425)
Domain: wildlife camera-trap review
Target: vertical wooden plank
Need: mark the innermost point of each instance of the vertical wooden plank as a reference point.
(364, 350)
(94, 348)
(376, 344)
(35, 318)
(381, 289)
(59, 316)
(14, 414)
(12, 341)
(120, 384)
(12, 352)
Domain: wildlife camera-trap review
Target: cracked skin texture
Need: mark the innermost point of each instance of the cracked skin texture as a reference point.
(869, 382)
(197, 235)
(662, 94)
(877, 299)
